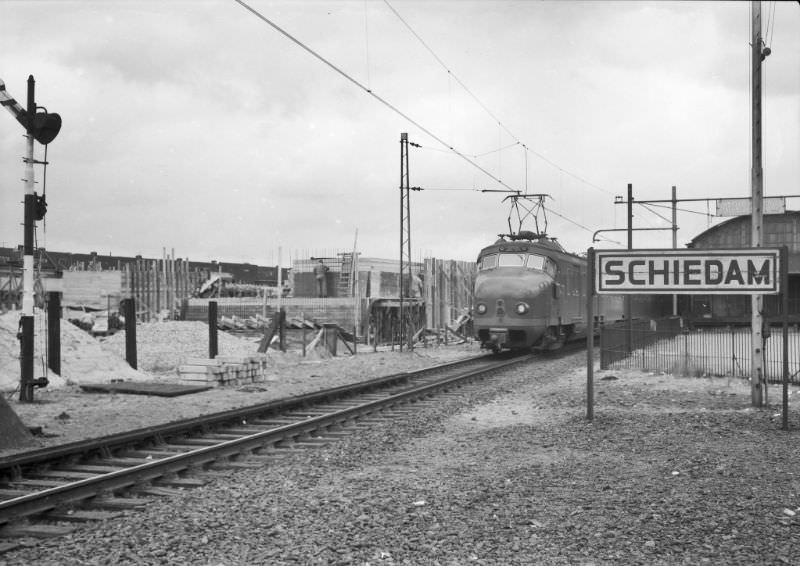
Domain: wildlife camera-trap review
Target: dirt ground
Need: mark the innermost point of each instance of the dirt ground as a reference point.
(65, 413)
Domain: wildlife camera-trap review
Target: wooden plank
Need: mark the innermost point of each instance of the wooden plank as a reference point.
(180, 482)
(35, 531)
(82, 515)
(118, 503)
(146, 388)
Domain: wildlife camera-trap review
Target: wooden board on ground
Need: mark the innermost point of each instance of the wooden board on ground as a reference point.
(145, 388)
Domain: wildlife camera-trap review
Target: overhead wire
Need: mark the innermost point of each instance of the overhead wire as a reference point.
(656, 213)
(496, 150)
(486, 108)
(570, 220)
(399, 112)
(449, 72)
(770, 24)
(682, 209)
(366, 42)
(369, 91)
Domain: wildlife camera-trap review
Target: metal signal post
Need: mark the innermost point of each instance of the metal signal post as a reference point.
(42, 127)
(26, 321)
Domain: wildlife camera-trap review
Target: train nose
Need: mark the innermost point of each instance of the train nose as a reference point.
(514, 295)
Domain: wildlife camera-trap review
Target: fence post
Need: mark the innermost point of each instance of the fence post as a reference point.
(54, 331)
(603, 364)
(212, 330)
(686, 352)
(784, 282)
(282, 328)
(129, 312)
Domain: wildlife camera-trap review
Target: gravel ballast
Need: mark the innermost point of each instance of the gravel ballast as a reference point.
(672, 471)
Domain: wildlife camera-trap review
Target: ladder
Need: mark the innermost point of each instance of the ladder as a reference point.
(345, 286)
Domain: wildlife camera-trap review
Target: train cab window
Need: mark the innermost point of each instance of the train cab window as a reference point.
(541, 263)
(488, 262)
(511, 260)
(535, 262)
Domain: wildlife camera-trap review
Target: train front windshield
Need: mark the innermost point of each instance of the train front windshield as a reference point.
(529, 261)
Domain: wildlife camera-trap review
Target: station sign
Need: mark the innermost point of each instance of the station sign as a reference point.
(666, 271)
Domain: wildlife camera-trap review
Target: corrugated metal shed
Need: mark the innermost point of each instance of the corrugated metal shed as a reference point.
(779, 230)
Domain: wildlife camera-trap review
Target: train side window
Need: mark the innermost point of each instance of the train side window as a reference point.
(488, 262)
(511, 260)
(550, 267)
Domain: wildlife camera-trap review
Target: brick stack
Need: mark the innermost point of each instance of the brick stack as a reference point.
(223, 370)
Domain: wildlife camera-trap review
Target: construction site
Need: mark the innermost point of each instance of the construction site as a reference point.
(364, 297)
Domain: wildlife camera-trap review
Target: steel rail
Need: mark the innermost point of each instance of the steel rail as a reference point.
(51, 498)
(112, 442)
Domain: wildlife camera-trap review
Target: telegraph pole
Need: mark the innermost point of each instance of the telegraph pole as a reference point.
(757, 380)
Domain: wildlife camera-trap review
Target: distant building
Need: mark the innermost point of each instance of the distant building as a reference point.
(778, 230)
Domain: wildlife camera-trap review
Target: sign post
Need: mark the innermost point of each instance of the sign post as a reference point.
(745, 271)
(590, 334)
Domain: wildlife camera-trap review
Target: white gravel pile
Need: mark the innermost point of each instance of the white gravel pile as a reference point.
(672, 471)
(163, 346)
(83, 357)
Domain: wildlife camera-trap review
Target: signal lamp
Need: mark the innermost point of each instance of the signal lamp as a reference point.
(45, 127)
(522, 308)
(481, 308)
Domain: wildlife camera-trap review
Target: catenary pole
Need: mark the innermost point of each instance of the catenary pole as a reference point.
(405, 231)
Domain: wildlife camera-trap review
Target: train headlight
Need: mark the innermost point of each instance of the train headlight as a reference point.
(522, 308)
(481, 308)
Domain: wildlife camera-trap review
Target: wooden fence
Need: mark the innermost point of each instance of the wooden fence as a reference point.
(159, 287)
(448, 287)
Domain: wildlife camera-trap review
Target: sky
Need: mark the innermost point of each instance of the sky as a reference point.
(198, 128)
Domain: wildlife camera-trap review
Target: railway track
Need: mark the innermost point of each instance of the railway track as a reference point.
(44, 492)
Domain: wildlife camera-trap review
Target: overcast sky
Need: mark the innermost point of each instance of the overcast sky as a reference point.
(196, 126)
